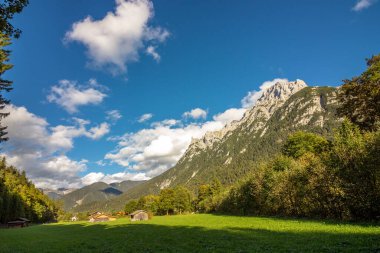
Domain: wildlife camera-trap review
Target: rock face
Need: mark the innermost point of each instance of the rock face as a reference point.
(271, 99)
(235, 150)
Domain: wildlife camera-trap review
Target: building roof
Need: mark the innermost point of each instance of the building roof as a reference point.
(23, 219)
(138, 211)
(102, 216)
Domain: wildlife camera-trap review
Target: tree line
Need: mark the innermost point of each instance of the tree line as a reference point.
(318, 177)
(20, 198)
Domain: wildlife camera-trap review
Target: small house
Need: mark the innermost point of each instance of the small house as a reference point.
(96, 213)
(139, 215)
(99, 218)
(20, 222)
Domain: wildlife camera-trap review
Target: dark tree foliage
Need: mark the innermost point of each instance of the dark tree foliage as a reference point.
(5, 85)
(360, 97)
(20, 198)
(7, 10)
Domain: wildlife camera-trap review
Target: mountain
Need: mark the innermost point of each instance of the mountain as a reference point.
(57, 194)
(234, 151)
(99, 191)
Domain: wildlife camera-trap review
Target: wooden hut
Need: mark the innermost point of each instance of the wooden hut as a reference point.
(139, 215)
(99, 218)
(20, 222)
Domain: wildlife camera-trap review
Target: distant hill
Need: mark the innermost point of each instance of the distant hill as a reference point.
(99, 191)
(57, 194)
(231, 153)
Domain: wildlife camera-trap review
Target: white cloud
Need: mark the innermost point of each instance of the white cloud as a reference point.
(101, 163)
(40, 149)
(166, 123)
(151, 50)
(115, 40)
(196, 113)
(252, 96)
(69, 95)
(94, 177)
(145, 117)
(113, 115)
(98, 132)
(154, 150)
(230, 115)
(363, 4)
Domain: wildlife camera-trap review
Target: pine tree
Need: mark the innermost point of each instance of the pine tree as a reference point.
(7, 10)
(5, 85)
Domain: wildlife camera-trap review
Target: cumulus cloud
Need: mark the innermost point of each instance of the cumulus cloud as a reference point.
(94, 177)
(145, 117)
(230, 115)
(101, 163)
(363, 4)
(154, 150)
(70, 95)
(151, 50)
(250, 99)
(98, 132)
(113, 115)
(196, 113)
(40, 149)
(116, 40)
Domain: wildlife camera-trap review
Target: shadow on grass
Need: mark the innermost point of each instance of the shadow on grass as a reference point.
(147, 237)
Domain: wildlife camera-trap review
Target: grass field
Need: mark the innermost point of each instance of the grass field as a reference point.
(194, 233)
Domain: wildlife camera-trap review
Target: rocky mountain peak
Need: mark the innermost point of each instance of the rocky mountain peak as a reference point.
(281, 91)
(271, 99)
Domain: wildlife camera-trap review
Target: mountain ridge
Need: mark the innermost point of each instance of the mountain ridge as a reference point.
(98, 191)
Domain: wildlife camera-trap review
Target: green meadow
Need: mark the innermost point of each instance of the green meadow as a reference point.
(194, 233)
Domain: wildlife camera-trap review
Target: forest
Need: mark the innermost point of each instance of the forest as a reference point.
(20, 198)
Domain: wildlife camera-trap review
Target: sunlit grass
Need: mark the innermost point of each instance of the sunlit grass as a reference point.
(194, 233)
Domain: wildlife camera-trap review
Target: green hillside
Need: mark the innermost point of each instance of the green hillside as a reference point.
(99, 191)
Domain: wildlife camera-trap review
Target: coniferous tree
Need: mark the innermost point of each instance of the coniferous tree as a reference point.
(7, 10)
(5, 85)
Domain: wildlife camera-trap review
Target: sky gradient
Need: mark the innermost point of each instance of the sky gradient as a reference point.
(115, 90)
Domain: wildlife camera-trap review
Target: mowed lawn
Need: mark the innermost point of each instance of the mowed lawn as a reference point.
(194, 233)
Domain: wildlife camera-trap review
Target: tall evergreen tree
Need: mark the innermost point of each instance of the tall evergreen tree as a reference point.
(8, 8)
(5, 85)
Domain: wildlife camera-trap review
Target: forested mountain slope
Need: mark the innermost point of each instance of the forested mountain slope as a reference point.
(99, 191)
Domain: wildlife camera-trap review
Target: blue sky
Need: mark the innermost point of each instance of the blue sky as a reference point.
(161, 59)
